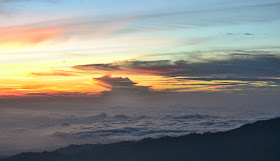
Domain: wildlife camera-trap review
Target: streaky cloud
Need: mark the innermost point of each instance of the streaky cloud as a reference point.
(238, 65)
(54, 73)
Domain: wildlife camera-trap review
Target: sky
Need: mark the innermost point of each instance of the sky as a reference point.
(68, 60)
(54, 47)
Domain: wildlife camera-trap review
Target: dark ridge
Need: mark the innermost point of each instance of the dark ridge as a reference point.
(259, 141)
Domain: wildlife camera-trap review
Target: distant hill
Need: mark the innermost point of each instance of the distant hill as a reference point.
(259, 141)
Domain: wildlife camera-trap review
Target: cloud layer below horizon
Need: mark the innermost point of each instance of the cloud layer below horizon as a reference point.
(26, 129)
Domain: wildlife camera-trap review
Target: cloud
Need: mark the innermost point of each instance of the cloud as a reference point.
(221, 86)
(66, 124)
(240, 70)
(195, 116)
(61, 30)
(115, 82)
(230, 78)
(30, 36)
(58, 94)
(54, 73)
(254, 67)
(103, 67)
(213, 16)
(119, 24)
(161, 67)
(233, 66)
(119, 85)
(246, 34)
(155, 126)
(5, 11)
(127, 132)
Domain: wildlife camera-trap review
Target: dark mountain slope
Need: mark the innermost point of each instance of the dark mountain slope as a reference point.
(259, 141)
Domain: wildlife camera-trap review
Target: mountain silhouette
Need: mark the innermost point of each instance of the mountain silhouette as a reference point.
(259, 141)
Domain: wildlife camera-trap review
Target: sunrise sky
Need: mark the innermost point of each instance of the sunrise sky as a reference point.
(77, 48)
(88, 71)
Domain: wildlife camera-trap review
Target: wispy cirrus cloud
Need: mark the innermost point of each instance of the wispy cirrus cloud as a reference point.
(4, 10)
(120, 24)
(53, 73)
(30, 36)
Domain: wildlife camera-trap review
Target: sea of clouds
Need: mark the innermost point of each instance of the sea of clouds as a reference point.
(36, 130)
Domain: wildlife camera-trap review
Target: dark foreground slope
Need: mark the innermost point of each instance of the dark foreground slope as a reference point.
(259, 141)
